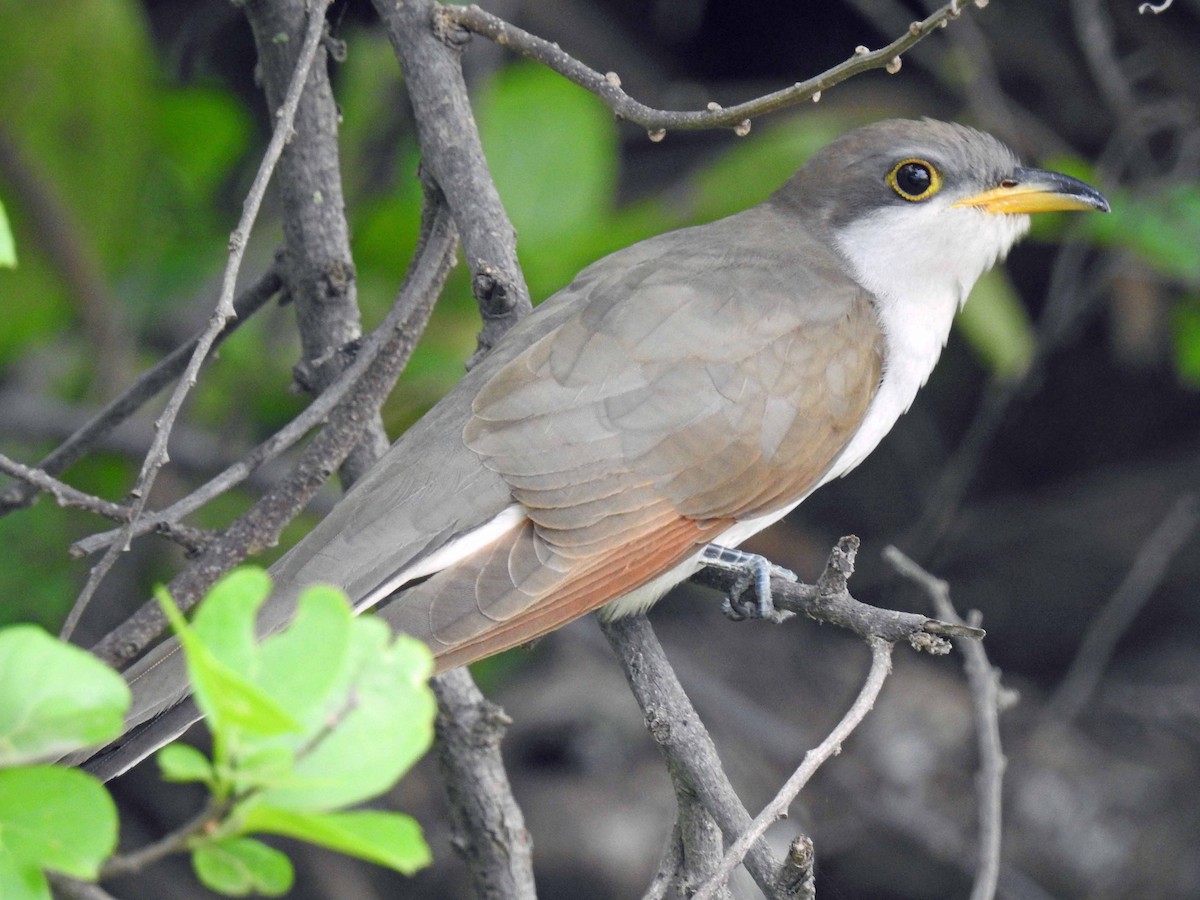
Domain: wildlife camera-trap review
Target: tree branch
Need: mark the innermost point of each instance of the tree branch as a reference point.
(488, 829)
(685, 744)
(157, 455)
(450, 148)
(881, 667)
(146, 386)
(657, 122)
(829, 601)
(382, 358)
(318, 267)
(986, 696)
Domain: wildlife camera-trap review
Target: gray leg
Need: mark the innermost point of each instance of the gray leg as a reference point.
(752, 570)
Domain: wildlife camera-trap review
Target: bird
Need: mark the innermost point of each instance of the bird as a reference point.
(678, 396)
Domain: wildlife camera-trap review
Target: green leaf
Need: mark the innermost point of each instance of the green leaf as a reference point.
(182, 763)
(1185, 340)
(225, 620)
(300, 666)
(1160, 228)
(387, 839)
(54, 698)
(232, 702)
(20, 880)
(386, 724)
(56, 818)
(995, 324)
(242, 866)
(8, 245)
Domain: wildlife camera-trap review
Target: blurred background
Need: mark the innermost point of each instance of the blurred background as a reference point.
(1049, 470)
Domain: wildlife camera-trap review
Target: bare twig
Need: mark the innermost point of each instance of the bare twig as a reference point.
(157, 455)
(829, 601)
(881, 666)
(174, 842)
(315, 414)
(686, 746)
(63, 493)
(488, 827)
(388, 349)
(146, 386)
(76, 889)
(607, 86)
(985, 694)
(1107, 626)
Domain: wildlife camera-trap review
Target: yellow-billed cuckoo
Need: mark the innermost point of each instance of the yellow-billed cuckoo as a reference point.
(692, 388)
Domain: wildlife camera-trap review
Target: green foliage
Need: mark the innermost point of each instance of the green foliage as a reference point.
(8, 246)
(54, 698)
(51, 819)
(242, 866)
(1185, 337)
(58, 698)
(327, 713)
(997, 327)
(1163, 229)
(387, 839)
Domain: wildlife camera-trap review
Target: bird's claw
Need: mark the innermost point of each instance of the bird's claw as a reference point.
(754, 575)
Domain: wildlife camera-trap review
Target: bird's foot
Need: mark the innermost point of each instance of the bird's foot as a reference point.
(754, 574)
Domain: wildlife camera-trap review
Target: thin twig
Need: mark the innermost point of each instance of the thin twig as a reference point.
(1117, 614)
(174, 842)
(984, 680)
(149, 383)
(607, 86)
(315, 414)
(63, 493)
(388, 349)
(156, 458)
(75, 889)
(684, 742)
(881, 666)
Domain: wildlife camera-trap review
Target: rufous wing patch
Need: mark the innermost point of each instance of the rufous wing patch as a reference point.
(496, 598)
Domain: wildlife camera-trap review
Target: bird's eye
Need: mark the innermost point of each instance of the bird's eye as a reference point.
(914, 179)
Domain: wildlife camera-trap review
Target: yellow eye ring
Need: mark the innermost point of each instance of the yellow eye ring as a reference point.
(915, 179)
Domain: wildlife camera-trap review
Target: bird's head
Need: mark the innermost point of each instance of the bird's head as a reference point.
(925, 204)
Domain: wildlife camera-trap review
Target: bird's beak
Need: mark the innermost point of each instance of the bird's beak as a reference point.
(1035, 191)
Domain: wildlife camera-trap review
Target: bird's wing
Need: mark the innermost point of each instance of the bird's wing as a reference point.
(706, 381)
(673, 388)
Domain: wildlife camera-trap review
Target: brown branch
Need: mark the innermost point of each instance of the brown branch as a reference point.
(385, 352)
(830, 602)
(685, 744)
(881, 667)
(318, 267)
(157, 455)
(607, 86)
(145, 387)
(451, 150)
(487, 827)
(987, 701)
